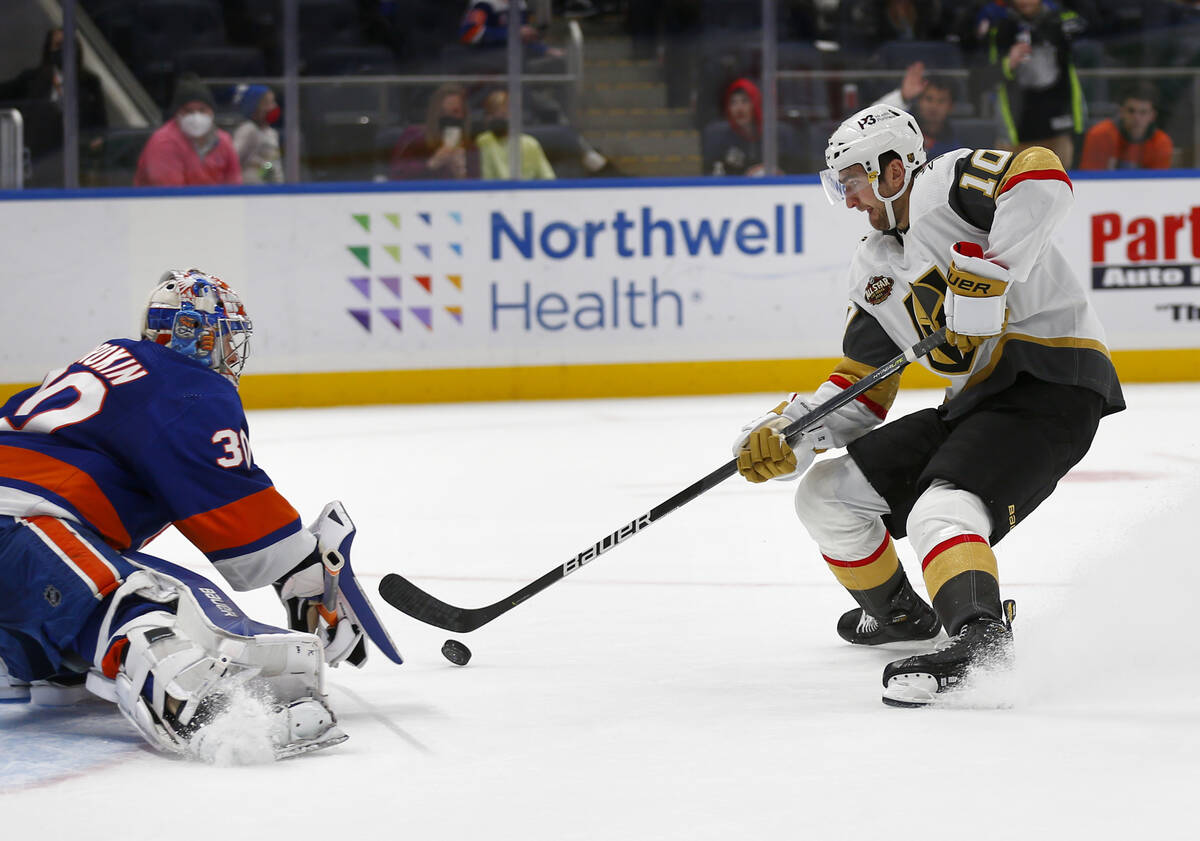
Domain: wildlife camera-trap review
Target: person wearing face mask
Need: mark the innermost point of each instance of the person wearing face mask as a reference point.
(256, 140)
(37, 92)
(441, 147)
(493, 145)
(188, 150)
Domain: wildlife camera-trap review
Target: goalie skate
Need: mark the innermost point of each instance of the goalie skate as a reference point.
(984, 643)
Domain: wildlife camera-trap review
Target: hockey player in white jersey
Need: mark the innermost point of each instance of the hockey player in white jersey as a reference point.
(962, 241)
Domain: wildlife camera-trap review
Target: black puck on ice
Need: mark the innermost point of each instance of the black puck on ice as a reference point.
(456, 652)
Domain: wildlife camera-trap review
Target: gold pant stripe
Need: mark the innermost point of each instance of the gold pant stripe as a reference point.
(956, 556)
(869, 572)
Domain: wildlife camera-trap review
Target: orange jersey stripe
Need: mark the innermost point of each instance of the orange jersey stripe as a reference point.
(239, 523)
(72, 484)
(83, 558)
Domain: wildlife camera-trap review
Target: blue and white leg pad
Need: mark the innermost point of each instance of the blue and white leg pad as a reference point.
(184, 662)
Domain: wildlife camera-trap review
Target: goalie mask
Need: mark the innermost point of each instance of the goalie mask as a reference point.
(861, 140)
(200, 316)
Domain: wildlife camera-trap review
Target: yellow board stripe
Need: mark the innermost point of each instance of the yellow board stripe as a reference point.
(863, 575)
(457, 385)
(956, 559)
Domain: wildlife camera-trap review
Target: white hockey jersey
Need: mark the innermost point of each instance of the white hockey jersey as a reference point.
(1009, 204)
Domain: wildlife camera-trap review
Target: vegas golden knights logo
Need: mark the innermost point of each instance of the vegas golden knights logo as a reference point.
(926, 303)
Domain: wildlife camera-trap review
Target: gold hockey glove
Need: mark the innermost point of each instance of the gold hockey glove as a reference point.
(976, 298)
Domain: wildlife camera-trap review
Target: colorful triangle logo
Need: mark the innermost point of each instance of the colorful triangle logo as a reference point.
(362, 284)
(392, 314)
(426, 250)
(456, 279)
(456, 247)
(394, 250)
(426, 218)
(362, 219)
(392, 284)
(456, 216)
(455, 313)
(426, 281)
(363, 317)
(362, 253)
(394, 218)
(424, 315)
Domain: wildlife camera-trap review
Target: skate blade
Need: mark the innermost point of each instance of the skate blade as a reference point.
(331, 737)
(910, 690)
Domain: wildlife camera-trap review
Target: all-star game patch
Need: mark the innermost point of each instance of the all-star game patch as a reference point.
(879, 288)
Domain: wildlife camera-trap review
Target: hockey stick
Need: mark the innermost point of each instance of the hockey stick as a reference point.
(405, 596)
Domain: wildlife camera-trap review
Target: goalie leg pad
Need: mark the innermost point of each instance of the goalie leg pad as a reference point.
(173, 672)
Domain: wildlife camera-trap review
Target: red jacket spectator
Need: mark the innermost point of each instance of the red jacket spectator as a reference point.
(188, 150)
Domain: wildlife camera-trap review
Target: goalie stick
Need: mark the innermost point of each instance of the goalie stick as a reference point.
(408, 598)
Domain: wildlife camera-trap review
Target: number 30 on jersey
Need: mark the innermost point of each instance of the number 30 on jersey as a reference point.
(237, 448)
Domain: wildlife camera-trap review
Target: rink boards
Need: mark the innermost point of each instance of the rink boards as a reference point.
(385, 293)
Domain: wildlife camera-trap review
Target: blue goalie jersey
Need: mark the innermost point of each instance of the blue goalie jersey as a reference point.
(134, 437)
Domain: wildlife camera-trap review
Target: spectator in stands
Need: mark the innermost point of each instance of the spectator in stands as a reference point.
(485, 24)
(256, 140)
(493, 144)
(1038, 96)
(38, 94)
(1131, 140)
(188, 149)
(733, 146)
(930, 99)
(442, 147)
(484, 31)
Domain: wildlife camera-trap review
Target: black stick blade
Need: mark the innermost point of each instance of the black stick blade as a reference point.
(408, 598)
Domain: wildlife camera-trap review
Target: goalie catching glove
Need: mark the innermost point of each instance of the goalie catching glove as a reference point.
(976, 298)
(306, 590)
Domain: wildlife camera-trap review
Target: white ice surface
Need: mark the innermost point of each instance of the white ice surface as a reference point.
(689, 684)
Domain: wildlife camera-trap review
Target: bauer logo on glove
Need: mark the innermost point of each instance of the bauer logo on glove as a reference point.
(976, 297)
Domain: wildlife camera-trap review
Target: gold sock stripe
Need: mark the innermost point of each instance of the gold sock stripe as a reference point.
(871, 571)
(965, 553)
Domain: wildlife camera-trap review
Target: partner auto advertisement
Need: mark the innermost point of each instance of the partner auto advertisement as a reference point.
(1137, 246)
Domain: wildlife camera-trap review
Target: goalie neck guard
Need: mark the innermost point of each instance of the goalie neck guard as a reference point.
(862, 139)
(202, 317)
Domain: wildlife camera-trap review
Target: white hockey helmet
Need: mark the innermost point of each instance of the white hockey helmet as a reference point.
(862, 139)
(202, 317)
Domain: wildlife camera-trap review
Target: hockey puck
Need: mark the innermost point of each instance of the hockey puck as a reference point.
(456, 652)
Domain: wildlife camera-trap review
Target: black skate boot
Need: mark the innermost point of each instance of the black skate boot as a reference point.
(908, 618)
(987, 643)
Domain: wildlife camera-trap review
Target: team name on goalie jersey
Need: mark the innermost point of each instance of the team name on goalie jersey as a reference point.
(591, 553)
(114, 363)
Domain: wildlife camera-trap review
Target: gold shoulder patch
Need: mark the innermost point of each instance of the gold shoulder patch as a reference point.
(1033, 159)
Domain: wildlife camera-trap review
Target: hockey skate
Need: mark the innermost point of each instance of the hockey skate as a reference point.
(908, 618)
(983, 643)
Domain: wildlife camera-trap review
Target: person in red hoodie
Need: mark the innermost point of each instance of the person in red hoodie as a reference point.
(189, 150)
(733, 146)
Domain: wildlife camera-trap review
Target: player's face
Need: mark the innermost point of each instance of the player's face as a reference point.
(1136, 115)
(860, 196)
